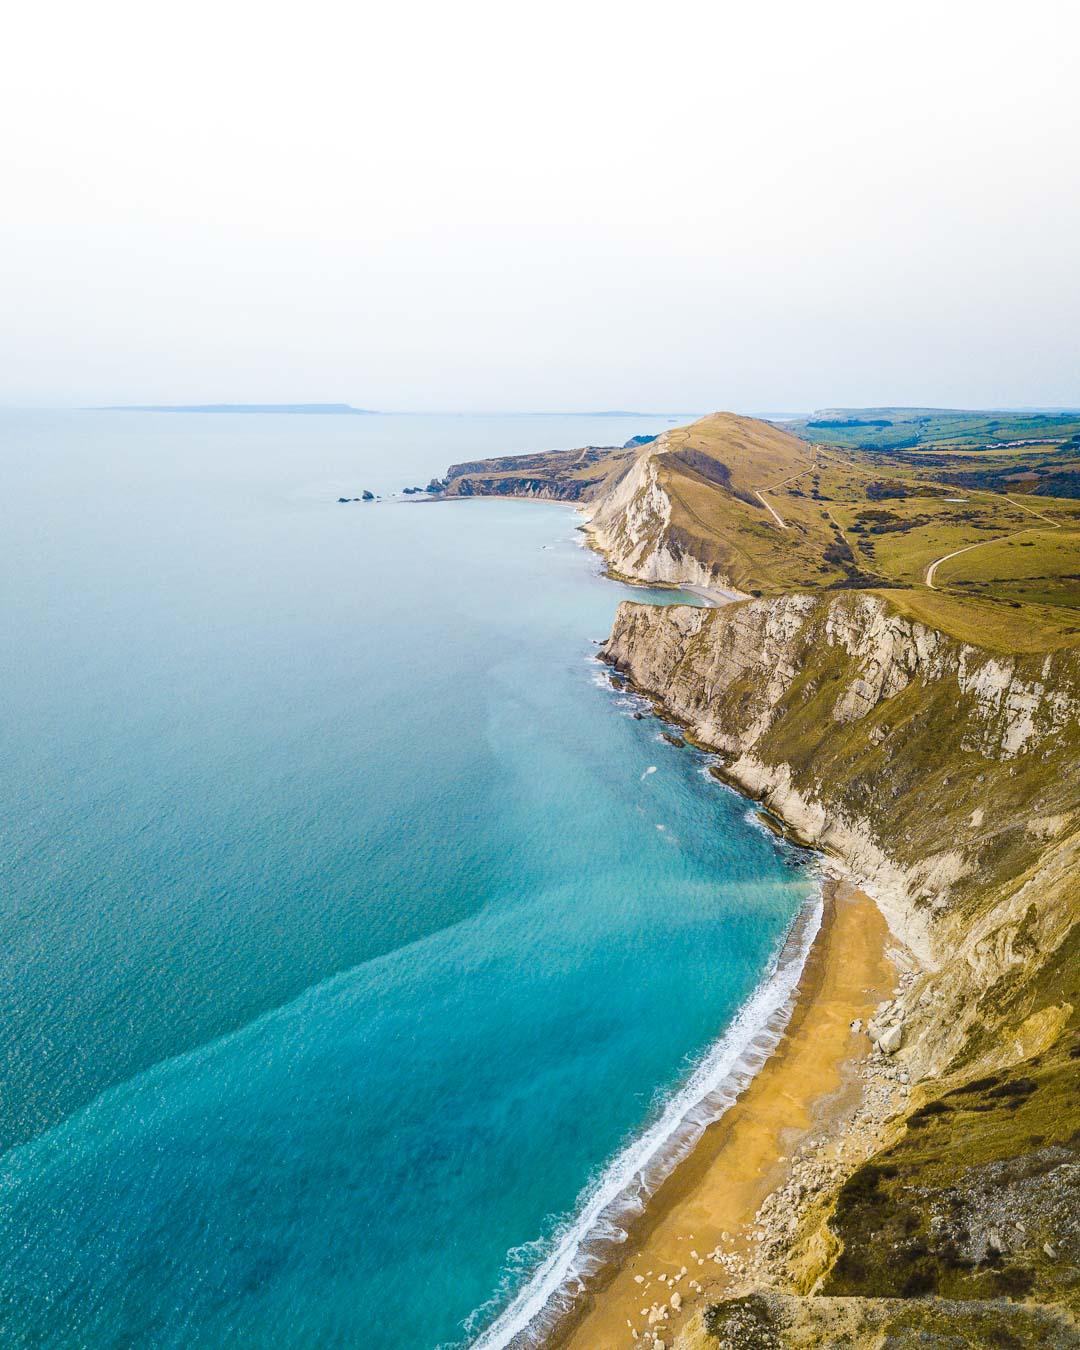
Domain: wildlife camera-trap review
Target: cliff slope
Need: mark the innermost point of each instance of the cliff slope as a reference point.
(561, 475)
(947, 778)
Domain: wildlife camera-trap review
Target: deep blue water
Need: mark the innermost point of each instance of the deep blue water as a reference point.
(345, 937)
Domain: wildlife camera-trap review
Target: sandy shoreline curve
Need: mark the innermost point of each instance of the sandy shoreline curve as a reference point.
(700, 1229)
(593, 1240)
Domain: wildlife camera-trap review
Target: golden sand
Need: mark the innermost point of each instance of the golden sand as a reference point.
(805, 1083)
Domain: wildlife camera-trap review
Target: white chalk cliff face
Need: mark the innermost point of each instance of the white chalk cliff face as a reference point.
(942, 775)
(630, 525)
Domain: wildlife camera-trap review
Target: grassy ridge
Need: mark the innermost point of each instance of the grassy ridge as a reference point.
(772, 512)
(852, 519)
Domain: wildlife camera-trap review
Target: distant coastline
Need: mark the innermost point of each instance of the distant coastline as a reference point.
(346, 409)
(301, 409)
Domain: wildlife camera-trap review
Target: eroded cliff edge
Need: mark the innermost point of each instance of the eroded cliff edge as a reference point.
(945, 777)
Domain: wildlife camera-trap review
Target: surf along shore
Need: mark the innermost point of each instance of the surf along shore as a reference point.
(814, 1109)
(815, 1097)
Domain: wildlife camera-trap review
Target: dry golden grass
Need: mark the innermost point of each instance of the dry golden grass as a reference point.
(851, 518)
(774, 513)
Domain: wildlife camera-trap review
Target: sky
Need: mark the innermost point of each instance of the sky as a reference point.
(558, 206)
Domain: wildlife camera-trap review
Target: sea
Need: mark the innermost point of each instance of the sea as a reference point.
(365, 961)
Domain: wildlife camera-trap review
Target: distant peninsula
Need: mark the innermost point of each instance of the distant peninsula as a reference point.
(309, 409)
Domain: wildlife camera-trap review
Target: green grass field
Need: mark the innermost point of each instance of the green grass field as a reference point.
(878, 521)
(902, 428)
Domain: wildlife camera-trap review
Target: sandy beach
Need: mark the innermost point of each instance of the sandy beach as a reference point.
(696, 1230)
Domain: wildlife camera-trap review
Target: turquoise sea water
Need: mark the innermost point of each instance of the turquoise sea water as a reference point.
(351, 924)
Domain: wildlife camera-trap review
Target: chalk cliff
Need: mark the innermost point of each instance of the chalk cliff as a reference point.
(631, 525)
(946, 779)
(943, 776)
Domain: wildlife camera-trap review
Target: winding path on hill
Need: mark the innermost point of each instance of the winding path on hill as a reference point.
(684, 433)
(772, 512)
(997, 539)
(783, 483)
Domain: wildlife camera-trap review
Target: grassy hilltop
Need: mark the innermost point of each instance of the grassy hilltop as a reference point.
(773, 512)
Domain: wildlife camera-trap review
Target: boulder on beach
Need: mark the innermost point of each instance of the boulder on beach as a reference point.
(891, 1039)
(367, 496)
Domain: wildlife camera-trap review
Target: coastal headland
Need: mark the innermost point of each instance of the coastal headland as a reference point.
(898, 682)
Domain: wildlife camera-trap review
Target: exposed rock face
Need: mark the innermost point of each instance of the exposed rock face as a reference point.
(929, 766)
(948, 779)
(477, 485)
(631, 525)
(564, 476)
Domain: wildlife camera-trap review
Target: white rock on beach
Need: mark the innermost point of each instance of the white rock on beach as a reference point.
(891, 1039)
(676, 1301)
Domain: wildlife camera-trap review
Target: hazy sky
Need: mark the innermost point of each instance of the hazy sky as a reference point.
(468, 205)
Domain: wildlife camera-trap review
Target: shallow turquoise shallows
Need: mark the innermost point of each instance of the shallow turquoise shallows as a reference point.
(351, 924)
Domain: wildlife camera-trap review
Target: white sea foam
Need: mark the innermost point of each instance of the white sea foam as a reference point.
(752, 816)
(582, 1245)
(649, 770)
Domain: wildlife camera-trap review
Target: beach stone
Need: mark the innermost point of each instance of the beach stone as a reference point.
(891, 1039)
(676, 1301)
(639, 1279)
